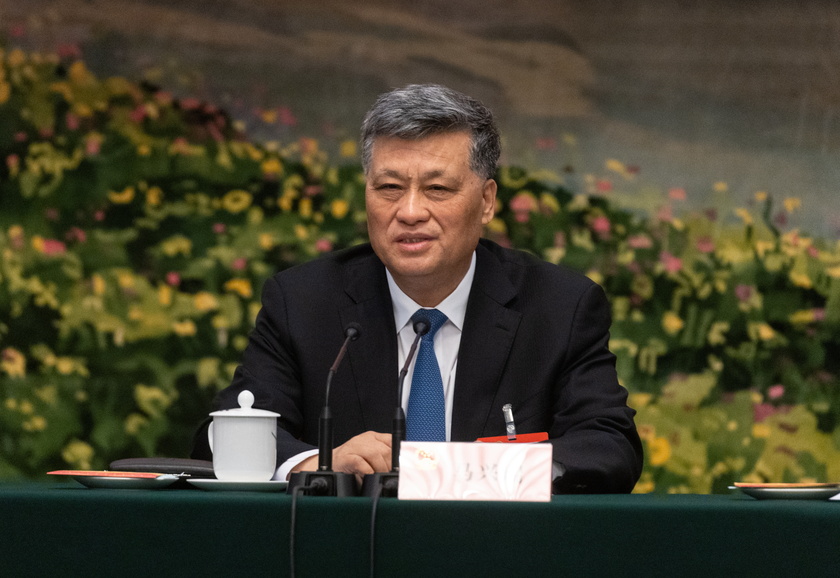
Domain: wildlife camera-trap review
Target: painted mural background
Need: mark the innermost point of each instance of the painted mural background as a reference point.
(719, 98)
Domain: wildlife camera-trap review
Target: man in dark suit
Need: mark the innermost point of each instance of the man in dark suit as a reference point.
(514, 330)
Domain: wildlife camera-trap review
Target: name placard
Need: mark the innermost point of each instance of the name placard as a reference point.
(475, 471)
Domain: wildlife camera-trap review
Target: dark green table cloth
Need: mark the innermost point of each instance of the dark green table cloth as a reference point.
(68, 530)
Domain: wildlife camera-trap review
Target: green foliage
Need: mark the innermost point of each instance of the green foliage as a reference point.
(137, 229)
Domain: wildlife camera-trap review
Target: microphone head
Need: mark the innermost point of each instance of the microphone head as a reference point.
(422, 325)
(353, 330)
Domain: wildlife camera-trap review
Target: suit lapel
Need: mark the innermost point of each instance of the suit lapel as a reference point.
(373, 359)
(486, 341)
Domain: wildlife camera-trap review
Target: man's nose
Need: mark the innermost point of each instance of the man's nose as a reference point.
(413, 207)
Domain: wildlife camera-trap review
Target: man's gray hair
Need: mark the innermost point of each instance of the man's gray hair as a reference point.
(421, 110)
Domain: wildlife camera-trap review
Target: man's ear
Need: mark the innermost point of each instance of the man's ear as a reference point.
(488, 194)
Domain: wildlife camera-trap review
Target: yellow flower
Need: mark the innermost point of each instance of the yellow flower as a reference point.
(305, 208)
(761, 331)
(596, 276)
(671, 323)
(301, 232)
(550, 202)
(272, 166)
(348, 149)
(144, 150)
(717, 333)
(792, 204)
(802, 317)
(801, 280)
(660, 451)
(744, 215)
(720, 187)
(13, 363)
(164, 295)
(154, 196)
(760, 196)
(64, 365)
(241, 287)
(5, 92)
(339, 208)
(125, 279)
(175, 245)
(761, 430)
(640, 400)
(35, 423)
(184, 328)
(122, 197)
(78, 454)
(134, 423)
(497, 225)
(79, 74)
(236, 201)
(97, 284)
(152, 400)
(615, 166)
(205, 301)
(266, 241)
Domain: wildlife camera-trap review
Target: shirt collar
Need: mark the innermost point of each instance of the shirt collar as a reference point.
(454, 306)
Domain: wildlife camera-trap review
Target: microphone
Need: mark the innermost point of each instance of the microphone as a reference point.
(388, 481)
(324, 481)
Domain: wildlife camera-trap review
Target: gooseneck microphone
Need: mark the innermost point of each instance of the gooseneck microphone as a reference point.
(325, 481)
(387, 482)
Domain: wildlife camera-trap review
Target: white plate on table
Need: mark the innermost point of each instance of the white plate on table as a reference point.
(235, 486)
(793, 491)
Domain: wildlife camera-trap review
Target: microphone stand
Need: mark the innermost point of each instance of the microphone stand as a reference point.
(387, 482)
(324, 481)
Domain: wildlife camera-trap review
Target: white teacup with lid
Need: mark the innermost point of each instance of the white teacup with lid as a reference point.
(243, 441)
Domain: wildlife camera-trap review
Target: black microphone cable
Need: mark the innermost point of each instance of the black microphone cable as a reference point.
(318, 485)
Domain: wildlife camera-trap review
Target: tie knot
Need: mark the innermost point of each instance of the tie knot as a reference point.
(435, 317)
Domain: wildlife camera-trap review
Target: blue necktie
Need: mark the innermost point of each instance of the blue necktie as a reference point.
(426, 417)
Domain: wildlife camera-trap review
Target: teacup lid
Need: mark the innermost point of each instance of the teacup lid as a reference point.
(245, 409)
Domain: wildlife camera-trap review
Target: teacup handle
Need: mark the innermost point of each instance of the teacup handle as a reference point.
(210, 436)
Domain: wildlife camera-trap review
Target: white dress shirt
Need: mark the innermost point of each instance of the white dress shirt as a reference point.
(447, 343)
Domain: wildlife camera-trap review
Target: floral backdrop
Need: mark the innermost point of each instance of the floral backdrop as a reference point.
(136, 230)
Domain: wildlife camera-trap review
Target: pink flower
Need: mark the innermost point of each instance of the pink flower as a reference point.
(67, 50)
(776, 391)
(190, 103)
(99, 215)
(239, 264)
(546, 144)
(286, 117)
(323, 245)
(819, 314)
(13, 162)
(21, 136)
(601, 225)
(743, 292)
(173, 279)
(705, 244)
(665, 213)
(53, 247)
(677, 194)
(640, 242)
(76, 234)
(671, 263)
(813, 252)
(313, 190)
(603, 186)
(72, 121)
(138, 114)
(219, 228)
(52, 214)
(92, 146)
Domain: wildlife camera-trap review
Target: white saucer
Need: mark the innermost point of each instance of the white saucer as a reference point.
(235, 486)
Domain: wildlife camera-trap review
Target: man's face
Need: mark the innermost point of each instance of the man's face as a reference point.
(426, 209)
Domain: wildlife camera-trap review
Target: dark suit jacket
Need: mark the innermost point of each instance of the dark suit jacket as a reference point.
(535, 336)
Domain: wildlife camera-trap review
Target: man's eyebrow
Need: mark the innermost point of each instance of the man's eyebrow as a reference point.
(398, 175)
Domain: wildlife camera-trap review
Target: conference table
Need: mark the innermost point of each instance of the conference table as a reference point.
(65, 529)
